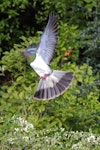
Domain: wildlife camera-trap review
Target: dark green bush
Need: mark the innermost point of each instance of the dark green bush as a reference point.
(25, 18)
(90, 37)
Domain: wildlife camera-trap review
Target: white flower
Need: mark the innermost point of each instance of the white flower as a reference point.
(62, 129)
(24, 124)
(91, 138)
(11, 140)
(26, 138)
(16, 129)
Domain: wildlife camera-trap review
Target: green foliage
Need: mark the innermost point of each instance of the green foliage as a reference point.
(68, 40)
(77, 109)
(90, 38)
(25, 18)
(17, 19)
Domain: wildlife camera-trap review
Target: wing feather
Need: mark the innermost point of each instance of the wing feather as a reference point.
(49, 39)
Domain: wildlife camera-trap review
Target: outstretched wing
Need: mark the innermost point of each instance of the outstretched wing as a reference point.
(49, 39)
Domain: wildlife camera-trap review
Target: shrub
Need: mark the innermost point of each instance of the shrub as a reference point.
(77, 109)
(20, 134)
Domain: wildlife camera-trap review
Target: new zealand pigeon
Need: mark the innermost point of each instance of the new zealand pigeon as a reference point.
(52, 83)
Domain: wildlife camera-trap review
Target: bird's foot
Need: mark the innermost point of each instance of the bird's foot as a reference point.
(44, 76)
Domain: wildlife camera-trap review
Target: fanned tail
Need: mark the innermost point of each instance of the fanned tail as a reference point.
(54, 85)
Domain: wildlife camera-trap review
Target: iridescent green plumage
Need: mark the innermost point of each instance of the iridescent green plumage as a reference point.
(31, 58)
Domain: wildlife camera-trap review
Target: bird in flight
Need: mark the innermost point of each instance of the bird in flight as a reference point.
(52, 83)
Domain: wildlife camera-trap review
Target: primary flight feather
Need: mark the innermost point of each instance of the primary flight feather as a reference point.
(52, 83)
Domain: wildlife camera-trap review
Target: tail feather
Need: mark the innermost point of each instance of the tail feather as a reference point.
(43, 91)
(54, 85)
(48, 93)
(60, 87)
(57, 90)
(52, 92)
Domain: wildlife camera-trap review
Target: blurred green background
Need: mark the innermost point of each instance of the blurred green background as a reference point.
(22, 22)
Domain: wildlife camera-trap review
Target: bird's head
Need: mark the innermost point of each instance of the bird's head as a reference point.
(26, 53)
(30, 51)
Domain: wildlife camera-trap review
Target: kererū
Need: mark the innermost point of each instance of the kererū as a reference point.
(52, 83)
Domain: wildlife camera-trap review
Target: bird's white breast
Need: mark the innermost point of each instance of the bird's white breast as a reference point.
(40, 66)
